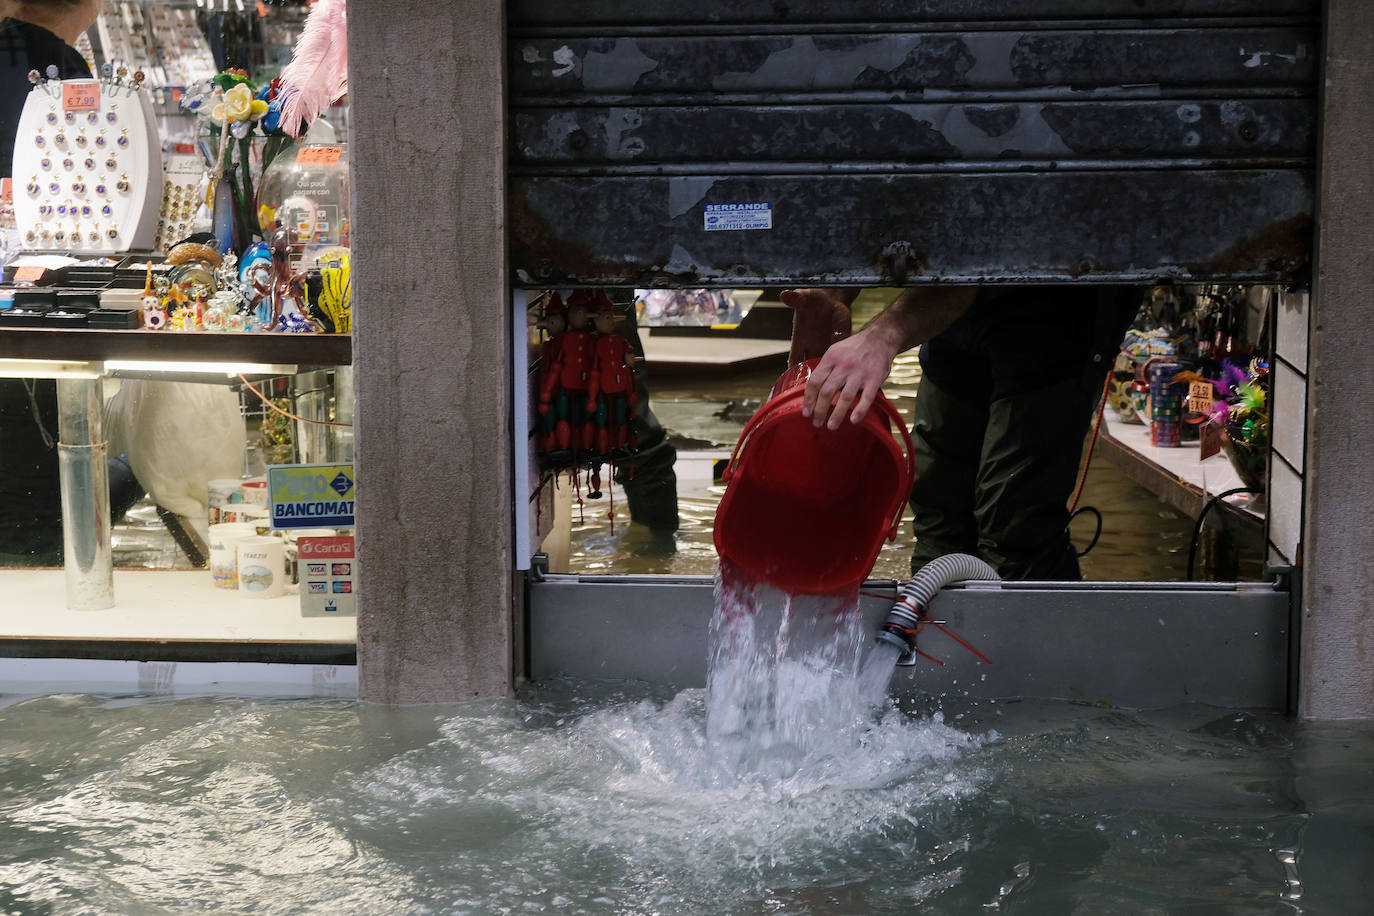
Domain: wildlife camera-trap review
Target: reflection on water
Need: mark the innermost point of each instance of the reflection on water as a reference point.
(601, 799)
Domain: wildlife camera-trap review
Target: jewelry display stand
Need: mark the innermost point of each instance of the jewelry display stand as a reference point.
(87, 167)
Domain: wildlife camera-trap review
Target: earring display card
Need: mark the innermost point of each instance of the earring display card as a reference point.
(87, 167)
(183, 210)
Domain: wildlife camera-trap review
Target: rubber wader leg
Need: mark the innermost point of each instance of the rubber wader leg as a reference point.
(947, 437)
(1029, 465)
(648, 478)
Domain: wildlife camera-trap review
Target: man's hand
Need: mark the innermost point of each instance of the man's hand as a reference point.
(851, 373)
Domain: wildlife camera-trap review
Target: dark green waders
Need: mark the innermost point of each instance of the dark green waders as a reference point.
(648, 478)
(994, 480)
(1006, 399)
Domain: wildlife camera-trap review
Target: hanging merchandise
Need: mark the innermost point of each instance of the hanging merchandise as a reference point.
(87, 164)
(611, 387)
(163, 41)
(180, 45)
(124, 39)
(565, 370)
(586, 397)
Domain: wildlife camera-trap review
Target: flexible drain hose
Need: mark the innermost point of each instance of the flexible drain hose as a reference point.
(899, 629)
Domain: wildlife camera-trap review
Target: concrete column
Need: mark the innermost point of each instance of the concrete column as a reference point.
(431, 349)
(1337, 678)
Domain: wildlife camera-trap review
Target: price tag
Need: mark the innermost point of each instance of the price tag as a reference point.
(1209, 441)
(319, 155)
(1200, 397)
(80, 96)
(30, 272)
(6, 191)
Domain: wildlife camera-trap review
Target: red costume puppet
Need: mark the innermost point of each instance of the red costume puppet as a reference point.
(565, 373)
(611, 395)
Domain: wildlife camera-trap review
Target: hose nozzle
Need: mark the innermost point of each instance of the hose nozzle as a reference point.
(899, 630)
(904, 619)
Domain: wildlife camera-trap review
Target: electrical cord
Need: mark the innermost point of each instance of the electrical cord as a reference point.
(1092, 443)
(1197, 527)
(1096, 534)
(1074, 511)
(268, 403)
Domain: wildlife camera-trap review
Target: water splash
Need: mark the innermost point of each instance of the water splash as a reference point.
(783, 686)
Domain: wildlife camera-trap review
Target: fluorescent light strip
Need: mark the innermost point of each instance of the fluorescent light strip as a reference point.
(49, 368)
(204, 368)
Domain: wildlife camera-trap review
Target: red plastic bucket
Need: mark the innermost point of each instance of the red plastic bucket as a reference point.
(806, 510)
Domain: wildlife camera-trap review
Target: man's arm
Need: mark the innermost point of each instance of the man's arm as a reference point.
(853, 370)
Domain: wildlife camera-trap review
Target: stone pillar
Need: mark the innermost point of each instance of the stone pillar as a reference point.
(1337, 676)
(431, 349)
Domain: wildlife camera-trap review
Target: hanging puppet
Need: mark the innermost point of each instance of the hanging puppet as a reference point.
(611, 395)
(564, 379)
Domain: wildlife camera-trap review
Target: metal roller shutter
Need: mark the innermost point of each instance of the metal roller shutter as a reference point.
(878, 143)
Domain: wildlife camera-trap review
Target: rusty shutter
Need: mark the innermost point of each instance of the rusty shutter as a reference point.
(880, 142)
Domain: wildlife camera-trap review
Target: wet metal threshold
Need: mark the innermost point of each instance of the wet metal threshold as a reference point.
(1135, 645)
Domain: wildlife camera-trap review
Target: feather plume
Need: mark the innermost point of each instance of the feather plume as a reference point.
(317, 76)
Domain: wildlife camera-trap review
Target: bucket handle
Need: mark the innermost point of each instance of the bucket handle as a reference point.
(881, 403)
(759, 418)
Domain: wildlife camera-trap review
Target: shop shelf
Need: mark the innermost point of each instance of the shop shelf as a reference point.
(94, 345)
(1176, 475)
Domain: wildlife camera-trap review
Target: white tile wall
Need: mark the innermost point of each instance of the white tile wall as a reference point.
(1290, 329)
(1285, 508)
(1289, 414)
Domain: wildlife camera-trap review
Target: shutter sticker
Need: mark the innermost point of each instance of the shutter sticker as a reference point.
(734, 217)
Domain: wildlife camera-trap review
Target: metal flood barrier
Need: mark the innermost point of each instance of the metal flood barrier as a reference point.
(893, 143)
(1119, 644)
(889, 143)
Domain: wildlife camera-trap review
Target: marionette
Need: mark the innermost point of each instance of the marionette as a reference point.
(554, 322)
(611, 395)
(567, 362)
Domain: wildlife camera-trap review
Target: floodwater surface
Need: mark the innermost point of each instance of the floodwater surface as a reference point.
(609, 799)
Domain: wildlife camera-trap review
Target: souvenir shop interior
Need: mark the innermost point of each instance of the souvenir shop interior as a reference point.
(180, 216)
(174, 321)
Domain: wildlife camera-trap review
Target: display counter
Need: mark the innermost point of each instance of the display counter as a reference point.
(1176, 475)
(159, 604)
(159, 614)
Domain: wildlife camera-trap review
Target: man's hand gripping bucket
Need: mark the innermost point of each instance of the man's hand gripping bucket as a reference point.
(807, 509)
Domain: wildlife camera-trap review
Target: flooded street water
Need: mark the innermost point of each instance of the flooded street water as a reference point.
(604, 799)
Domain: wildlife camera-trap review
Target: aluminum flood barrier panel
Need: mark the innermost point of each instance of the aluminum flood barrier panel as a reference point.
(1121, 644)
(887, 143)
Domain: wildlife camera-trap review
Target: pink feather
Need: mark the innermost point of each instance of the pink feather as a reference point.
(317, 76)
